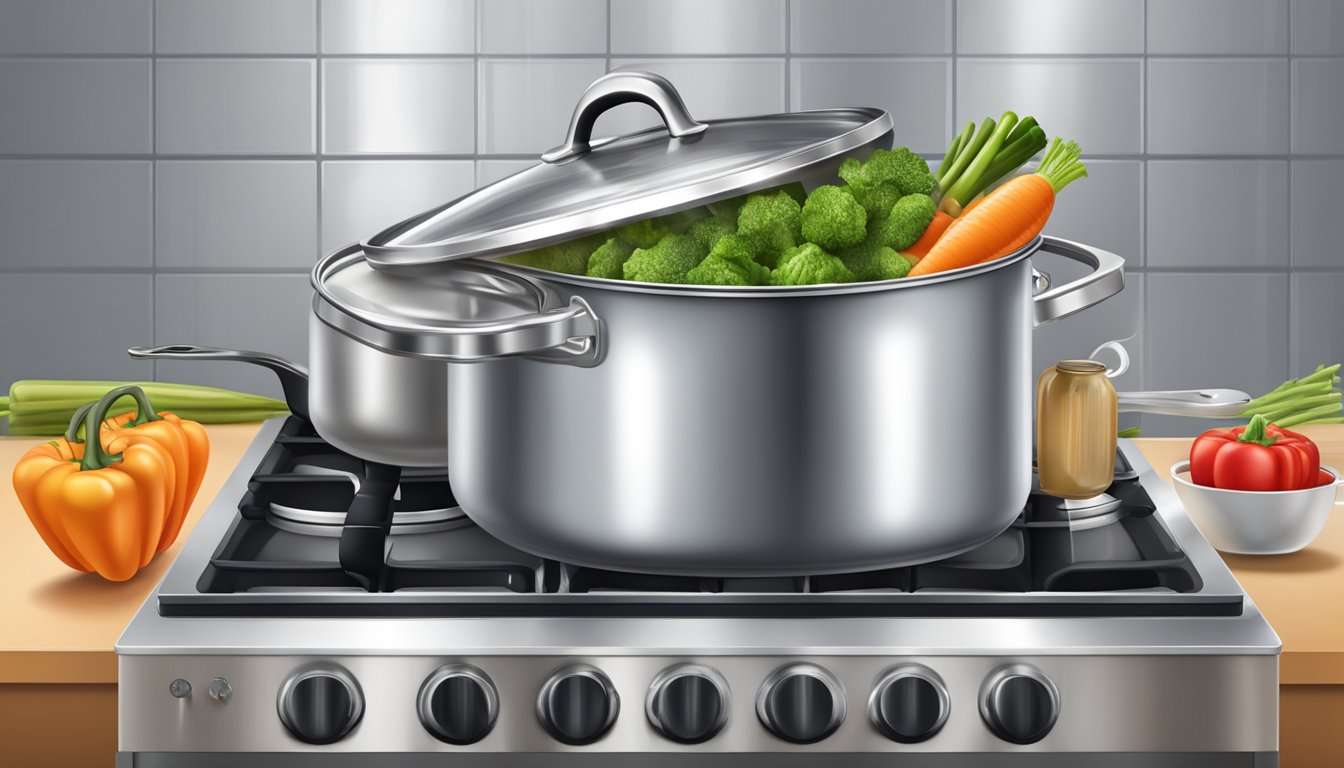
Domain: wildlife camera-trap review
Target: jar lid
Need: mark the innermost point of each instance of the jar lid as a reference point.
(588, 185)
(1081, 366)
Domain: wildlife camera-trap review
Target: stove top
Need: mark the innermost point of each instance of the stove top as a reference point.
(283, 554)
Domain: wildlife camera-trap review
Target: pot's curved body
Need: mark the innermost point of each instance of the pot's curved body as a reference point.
(766, 434)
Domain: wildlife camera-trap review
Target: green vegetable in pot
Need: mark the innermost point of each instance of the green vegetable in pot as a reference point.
(871, 261)
(772, 221)
(667, 262)
(908, 219)
(707, 232)
(885, 176)
(832, 219)
(609, 258)
(569, 257)
(643, 234)
(808, 264)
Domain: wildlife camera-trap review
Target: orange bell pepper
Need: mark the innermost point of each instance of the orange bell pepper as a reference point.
(185, 440)
(98, 508)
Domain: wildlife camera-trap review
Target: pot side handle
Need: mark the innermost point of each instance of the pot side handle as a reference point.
(619, 88)
(1106, 279)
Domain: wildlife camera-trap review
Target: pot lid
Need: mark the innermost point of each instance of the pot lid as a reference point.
(587, 185)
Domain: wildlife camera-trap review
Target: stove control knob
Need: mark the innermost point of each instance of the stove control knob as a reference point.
(458, 704)
(578, 704)
(320, 705)
(801, 703)
(688, 703)
(909, 704)
(1019, 703)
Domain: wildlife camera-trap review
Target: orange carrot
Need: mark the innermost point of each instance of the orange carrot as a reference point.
(935, 230)
(1008, 217)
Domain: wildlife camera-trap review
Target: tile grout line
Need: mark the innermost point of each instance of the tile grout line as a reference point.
(319, 101)
(154, 183)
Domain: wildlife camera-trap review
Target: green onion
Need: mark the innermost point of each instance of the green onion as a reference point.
(44, 407)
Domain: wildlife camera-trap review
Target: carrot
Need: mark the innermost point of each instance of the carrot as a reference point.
(1007, 218)
(941, 221)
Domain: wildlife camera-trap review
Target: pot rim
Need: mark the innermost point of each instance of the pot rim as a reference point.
(768, 291)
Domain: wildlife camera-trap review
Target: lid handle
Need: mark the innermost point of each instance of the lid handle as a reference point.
(617, 88)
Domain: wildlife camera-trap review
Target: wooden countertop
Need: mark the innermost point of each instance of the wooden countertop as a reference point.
(60, 626)
(1300, 593)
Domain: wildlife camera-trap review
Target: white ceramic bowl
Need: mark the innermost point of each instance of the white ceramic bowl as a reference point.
(1256, 522)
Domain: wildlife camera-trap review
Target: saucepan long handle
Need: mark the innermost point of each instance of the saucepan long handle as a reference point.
(293, 377)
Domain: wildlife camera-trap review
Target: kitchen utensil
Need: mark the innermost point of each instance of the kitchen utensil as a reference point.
(1257, 522)
(1202, 403)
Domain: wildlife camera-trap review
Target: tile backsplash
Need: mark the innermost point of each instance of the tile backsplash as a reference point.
(170, 170)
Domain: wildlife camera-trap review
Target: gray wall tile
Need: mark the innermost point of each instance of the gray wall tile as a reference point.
(870, 26)
(712, 88)
(1317, 316)
(1218, 213)
(236, 26)
(398, 26)
(75, 213)
(1049, 26)
(398, 107)
(1318, 106)
(1241, 106)
(220, 213)
(215, 106)
(1097, 102)
(1119, 318)
(525, 104)
(1317, 199)
(361, 198)
(1217, 330)
(490, 171)
(1218, 26)
(268, 313)
(917, 93)
(81, 106)
(1104, 209)
(75, 26)
(543, 26)
(737, 27)
(1318, 27)
(70, 336)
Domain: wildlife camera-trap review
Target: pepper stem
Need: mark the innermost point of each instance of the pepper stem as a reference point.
(95, 456)
(1255, 432)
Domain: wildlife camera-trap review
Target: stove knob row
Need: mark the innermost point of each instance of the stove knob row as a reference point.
(321, 704)
(801, 703)
(1019, 703)
(458, 704)
(578, 704)
(909, 704)
(688, 703)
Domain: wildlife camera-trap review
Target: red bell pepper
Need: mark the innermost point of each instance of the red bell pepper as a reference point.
(1256, 457)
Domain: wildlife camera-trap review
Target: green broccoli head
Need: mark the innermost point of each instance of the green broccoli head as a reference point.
(717, 270)
(710, 230)
(608, 259)
(681, 221)
(899, 168)
(773, 223)
(870, 261)
(643, 234)
(833, 219)
(909, 217)
(876, 200)
(808, 264)
(666, 262)
(570, 258)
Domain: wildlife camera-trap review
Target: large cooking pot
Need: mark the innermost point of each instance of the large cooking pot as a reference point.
(700, 429)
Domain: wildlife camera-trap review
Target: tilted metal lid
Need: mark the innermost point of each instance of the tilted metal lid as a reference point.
(588, 185)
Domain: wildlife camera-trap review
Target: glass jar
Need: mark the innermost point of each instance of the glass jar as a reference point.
(1075, 429)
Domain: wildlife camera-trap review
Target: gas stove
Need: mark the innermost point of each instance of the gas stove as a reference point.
(329, 612)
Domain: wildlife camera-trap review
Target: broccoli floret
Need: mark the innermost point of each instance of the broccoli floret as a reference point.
(869, 261)
(681, 221)
(666, 262)
(909, 217)
(709, 231)
(727, 209)
(570, 258)
(608, 259)
(773, 223)
(808, 264)
(833, 219)
(876, 200)
(717, 270)
(643, 234)
(899, 168)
